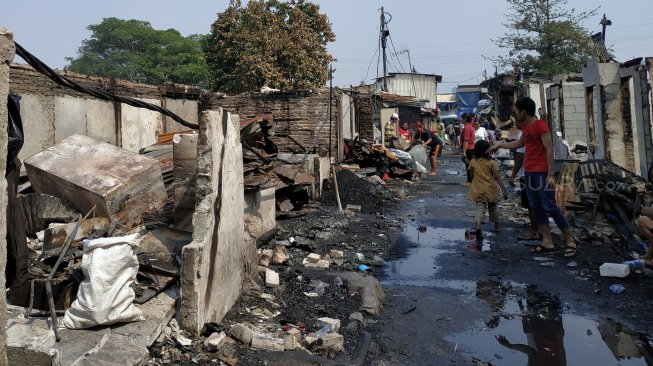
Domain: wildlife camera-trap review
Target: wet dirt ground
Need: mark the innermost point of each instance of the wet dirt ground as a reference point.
(453, 300)
(450, 299)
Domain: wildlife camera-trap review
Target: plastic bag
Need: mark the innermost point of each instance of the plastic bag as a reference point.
(105, 296)
(420, 168)
(419, 155)
(16, 138)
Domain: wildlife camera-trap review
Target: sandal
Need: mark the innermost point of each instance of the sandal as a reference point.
(540, 249)
(529, 237)
(570, 251)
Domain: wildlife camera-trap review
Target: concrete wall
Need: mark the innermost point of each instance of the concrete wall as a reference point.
(6, 55)
(260, 212)
(604, 79)
(304, 114)
(51, 113)
(215, 263)
(568, 110)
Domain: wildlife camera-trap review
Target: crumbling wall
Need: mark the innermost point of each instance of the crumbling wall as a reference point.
(575, 125)
(51, 112)
(6, 55)
(215, 263)
(302, 114)
(364, 106)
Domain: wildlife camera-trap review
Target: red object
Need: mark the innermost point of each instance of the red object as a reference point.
(385, 176)
(405, 133)
(469, 136)
(535, 156)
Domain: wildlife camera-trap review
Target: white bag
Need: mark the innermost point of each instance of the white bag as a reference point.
(420, 168)
(105, 296)
(419, 155)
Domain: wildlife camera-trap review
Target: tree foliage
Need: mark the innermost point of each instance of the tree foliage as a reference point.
(133, 50)
(545, 36)
(269, 43)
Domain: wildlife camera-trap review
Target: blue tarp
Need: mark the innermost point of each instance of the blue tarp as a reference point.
(467, 101)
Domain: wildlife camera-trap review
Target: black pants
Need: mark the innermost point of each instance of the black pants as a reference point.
(470, 155)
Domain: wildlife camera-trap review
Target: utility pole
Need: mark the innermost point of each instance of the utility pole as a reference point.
(384, 35)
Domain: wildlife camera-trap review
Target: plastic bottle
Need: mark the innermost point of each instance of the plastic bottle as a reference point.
(323, 331)
(617, 288)
(636, 263)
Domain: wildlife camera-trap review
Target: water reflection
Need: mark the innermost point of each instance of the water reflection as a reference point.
(528, 326)
(543, 328)
(626, 343)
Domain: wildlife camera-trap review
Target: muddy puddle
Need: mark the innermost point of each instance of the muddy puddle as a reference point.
(417, 265)
(527, 325)
(532, 327)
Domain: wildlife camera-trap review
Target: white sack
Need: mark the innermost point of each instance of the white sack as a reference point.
(419, 155)
(420, 168)
(105, 296)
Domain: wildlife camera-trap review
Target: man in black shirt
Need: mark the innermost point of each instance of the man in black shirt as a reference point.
(430, 140)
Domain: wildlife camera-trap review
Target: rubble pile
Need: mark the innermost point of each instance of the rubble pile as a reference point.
(612, 196)
(263, 170)
(114, 199)
(369, 192)
(376, 159)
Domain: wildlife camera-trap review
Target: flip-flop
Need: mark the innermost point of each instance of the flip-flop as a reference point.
(527, 237)
(570, 252)
(540, 249)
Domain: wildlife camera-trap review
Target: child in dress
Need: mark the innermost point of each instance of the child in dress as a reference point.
(483, 189)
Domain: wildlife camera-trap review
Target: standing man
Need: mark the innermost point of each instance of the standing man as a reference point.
(389, 130)
(467, 140)
(430, 140)
(539, 174)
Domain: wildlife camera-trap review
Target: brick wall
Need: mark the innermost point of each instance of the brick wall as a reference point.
(364, 106)
(575, 114)
(303, 114)
(25, 80)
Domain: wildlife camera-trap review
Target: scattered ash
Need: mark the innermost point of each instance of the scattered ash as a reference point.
(355, 190)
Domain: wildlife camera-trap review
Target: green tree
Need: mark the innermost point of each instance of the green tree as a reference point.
(133, 50)
(545, 36)
(269, 43)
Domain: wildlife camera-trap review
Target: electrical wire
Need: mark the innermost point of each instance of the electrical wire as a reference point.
(41, 67)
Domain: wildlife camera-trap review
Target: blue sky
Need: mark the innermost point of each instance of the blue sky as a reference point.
(445, 38)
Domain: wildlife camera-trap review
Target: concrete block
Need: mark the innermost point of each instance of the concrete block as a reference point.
(215, 341)
(332, 341)
(620, 270)
(336, 253)
(158, 312)
(242, 333)
(334, 323)
(260, 212)
(271, 278)
(323, 263)
(292, 339)
(29, 342)
(118, 350)
(122, 185)
(313, 257)
(76, 344)
(268, 343)
(353, 208)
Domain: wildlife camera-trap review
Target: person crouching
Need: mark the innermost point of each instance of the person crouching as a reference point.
(483, 190)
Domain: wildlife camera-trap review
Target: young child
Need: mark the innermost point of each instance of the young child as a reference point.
(483, 190)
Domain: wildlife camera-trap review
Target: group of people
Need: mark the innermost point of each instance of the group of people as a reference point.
(431, 140)
(538, 184)
(484, 128)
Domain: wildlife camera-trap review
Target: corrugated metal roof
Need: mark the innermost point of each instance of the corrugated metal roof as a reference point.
(421, 86)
